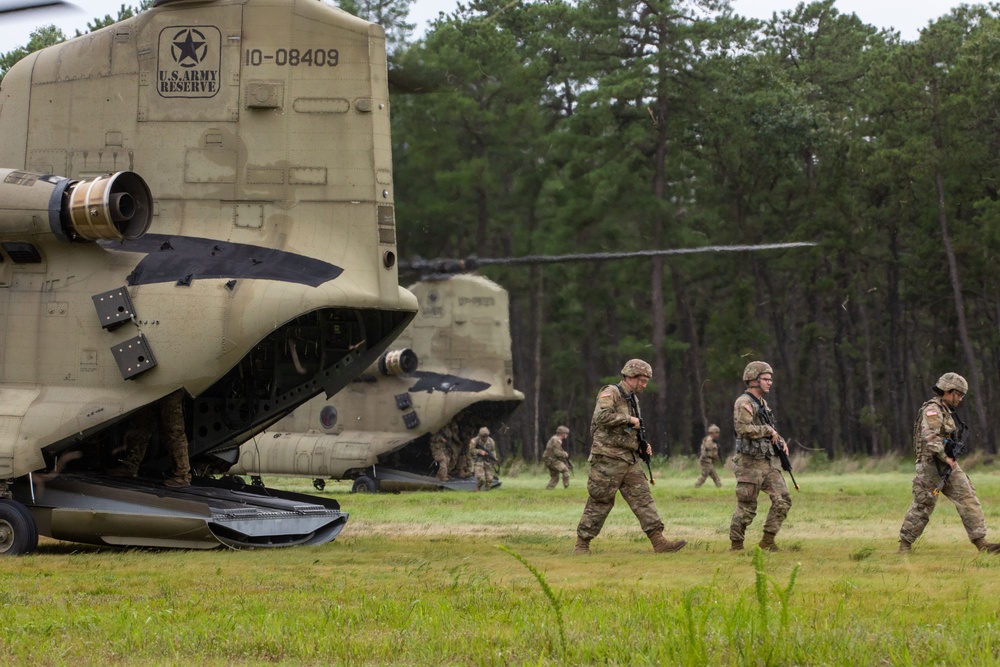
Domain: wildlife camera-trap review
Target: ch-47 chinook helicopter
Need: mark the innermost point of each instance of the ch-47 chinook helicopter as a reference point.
(197, 198)
(452, 365)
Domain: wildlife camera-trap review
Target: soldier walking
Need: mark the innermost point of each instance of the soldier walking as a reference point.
(707, 457)
(757, 466)
(933, 432)
(556, 459)
(484, 456)
(614, 462)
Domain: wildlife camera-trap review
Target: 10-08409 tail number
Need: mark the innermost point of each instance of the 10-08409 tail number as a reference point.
(293, 57)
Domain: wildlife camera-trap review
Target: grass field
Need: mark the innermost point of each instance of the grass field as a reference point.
(488, 579)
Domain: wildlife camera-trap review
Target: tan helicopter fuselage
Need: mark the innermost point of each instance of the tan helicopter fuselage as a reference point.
(267, 273)
(461, 337)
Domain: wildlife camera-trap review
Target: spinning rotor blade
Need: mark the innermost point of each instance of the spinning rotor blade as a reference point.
(472, 263)
(28, 5)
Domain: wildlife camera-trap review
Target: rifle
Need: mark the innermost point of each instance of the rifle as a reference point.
(767, 417)
(643, 442)
(953, 447)
(489, 459)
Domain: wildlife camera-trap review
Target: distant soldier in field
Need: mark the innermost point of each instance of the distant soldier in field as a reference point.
(934, 429)
(757, 466)
(556, 459)
(484, 457)
(614, 462)
(441, 452)
(708, 456)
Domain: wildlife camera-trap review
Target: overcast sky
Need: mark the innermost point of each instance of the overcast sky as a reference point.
(906, 16)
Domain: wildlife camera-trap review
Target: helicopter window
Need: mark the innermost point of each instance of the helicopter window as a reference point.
(22, 253)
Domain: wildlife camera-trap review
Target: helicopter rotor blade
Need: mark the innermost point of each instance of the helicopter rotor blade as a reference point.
(29, 5)
(472, 263)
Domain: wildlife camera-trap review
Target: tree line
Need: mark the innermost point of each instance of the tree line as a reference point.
(552, 127)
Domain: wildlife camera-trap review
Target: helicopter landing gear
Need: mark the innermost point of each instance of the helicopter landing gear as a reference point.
(319, 484)
(18, 530)
(364, 484)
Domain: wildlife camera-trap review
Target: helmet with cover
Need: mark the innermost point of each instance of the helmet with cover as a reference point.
(950, 381)
(755, 369)
(636, 367)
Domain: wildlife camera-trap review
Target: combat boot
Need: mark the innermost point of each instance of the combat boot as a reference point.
(767, 544)
(989, 547)
(661, 545)
(736, 545)
(582, 546)
(178, 481)
(904, 547)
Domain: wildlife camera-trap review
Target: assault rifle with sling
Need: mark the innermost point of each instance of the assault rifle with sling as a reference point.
(767, 417)
(643, 442)
(953, 447)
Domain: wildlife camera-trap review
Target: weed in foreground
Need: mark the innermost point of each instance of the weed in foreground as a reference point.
(549, 593)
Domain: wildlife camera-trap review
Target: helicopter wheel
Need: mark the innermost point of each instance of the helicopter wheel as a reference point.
(319, 484)
(18, 530)
(364, 484)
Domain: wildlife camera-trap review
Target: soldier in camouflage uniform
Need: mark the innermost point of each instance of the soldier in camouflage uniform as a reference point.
(614, 463)
(757, 466)
(484, 456)
(441, 452)
(935, 424)
(708, 456)
(461, 459)
(168, 414)
(556, 459)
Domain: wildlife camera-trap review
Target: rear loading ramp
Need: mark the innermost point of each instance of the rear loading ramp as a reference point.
(208, 514)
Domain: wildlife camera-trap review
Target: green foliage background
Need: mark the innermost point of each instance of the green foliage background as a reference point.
(555, 127)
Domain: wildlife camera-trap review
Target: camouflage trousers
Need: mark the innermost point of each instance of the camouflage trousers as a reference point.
(607, 477)
(958, 489)
(752, 477)
(484, 475)
(168, 414)
(708, 470)
(440, 455)
(557, 468)
(461, 462)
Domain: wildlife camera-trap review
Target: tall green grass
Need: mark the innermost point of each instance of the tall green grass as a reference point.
(418, 579)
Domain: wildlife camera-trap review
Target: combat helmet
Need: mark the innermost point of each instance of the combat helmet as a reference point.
(712, 428)
(635, 367)
(755, 369)
(562, 429)
(483, 432)
(950, 381)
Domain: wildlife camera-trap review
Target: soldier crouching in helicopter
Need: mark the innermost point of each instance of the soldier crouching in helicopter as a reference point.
(484, 453)
(168, 414)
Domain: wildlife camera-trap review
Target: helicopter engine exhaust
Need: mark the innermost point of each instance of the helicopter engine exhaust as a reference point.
(398, 362)
(111, 207)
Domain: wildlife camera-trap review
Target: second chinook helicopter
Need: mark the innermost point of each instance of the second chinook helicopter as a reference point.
(451, 365)
(195, 199)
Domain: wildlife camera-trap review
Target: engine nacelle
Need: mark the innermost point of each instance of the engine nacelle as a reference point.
(112, 207)
(398, 362)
